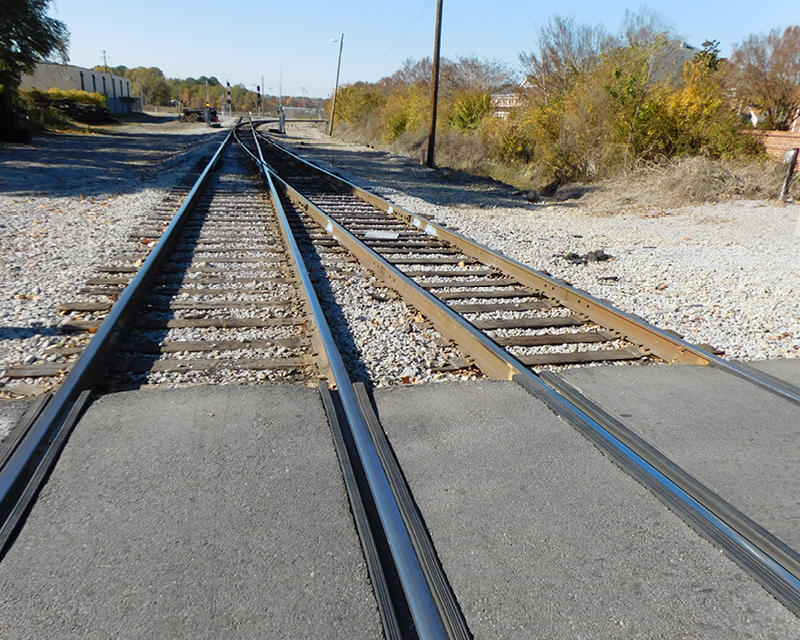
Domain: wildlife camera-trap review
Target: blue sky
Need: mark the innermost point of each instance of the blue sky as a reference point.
(289, 43)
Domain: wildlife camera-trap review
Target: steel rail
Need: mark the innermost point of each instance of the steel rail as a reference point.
(786, 556)
(94, 361)
(659, 342)
(754, 549)
(427, 618)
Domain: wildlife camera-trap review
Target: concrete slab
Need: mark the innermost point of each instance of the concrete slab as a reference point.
(739, 440)
(541, 537)
(196, 513)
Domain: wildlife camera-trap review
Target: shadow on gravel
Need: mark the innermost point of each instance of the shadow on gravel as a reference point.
(120, 377)
(146, 118)
(91, 164)
(23, 333)
(337, 321)
(441, 186)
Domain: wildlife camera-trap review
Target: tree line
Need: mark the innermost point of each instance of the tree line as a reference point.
(589, 103)
(150, 84)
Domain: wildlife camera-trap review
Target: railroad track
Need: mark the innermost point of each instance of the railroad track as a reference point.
(199, 283)
(222, 282)
(224, 303)
(459, 284)
(532, 325)
(403, 248)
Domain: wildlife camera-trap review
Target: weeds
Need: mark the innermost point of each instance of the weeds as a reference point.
(686, 181)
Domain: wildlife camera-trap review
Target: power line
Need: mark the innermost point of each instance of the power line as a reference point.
(403, 37)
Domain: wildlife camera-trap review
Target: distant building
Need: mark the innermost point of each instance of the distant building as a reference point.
(68, 77)
(671, 61)
(503, 103)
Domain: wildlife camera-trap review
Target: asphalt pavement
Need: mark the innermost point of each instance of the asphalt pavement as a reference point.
(542, 537)
(220, 513)
(210, 512)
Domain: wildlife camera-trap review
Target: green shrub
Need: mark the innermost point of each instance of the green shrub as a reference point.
(34, 96)
(468, 111)
(624, 107)
(702, 120)
(41, 118)
(356, 102)
(508, 140)
(406, 110)
(622, 112)
(81, 97)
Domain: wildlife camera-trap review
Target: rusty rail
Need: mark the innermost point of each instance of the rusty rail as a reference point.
(659, 342)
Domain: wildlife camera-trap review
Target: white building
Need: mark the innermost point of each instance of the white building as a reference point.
(503, 103)
(68, 77)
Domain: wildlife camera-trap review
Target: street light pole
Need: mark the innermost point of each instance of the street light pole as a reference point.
(336, 87)
(435, 97)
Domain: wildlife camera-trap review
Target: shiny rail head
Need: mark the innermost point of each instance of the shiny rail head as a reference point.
(655, 341)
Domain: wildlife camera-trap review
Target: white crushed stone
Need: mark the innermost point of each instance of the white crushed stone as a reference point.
(383, 341)
(66, 205)
(724, 274)
(78, 223)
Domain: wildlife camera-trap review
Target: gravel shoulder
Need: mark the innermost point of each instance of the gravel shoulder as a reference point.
(724, 274)
(66, 204)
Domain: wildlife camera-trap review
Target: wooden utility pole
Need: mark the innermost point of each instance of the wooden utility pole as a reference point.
(435, 93)
(336, 86)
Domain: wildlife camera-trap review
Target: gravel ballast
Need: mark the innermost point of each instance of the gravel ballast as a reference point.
(390, 343)
(67, 203)
(725, 274)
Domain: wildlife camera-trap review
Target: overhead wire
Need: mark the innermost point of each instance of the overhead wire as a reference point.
(403, 37)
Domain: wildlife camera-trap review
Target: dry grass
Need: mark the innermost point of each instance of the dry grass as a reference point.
(685, 182)
(672, 183)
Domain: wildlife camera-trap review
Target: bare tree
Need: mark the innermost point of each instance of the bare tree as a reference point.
(764, 74)
(566, 50)
(643, 28)
(476, 74)
(414, 72)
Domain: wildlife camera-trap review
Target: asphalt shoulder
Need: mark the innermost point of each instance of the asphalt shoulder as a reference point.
(193, 513)
(541, 536)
